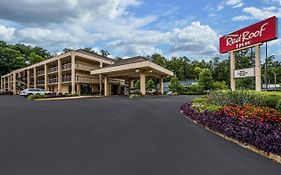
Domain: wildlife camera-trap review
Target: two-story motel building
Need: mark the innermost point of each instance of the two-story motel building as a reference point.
(79, 72)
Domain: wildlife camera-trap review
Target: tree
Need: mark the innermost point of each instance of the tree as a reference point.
(104, 53)
(205, 79)
(10, 60)
(34, 58)
(158, 59)
(66, 50)
(150, 84)
(197, 70)
(175, 85)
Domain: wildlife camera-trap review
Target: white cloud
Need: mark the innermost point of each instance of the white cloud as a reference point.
(241, 18)
(56, 25)
(6, 33)
(231, 3)
(258, 13)
(196, 39)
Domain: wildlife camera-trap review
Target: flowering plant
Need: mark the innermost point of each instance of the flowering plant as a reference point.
(263, 114)
(250, 130)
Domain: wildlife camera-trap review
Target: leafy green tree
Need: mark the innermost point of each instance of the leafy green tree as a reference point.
(158, 59)
(175, 85)
(104, 53)
(34, 58)
(221, 72)
(10, 60)
(150, 84)
(205, 79)
(197, 70)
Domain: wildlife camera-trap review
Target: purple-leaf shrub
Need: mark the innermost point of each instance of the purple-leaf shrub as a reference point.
(262, 135)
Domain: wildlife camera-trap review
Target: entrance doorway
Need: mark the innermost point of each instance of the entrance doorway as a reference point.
(85, 89)
(114, 90)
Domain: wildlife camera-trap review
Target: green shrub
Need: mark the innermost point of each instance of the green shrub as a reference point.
(200, 100)
(34, 97)
(278, 105)
(196, 87)
(193, 93)
(228, 97)
(201, 105)
(219, 85)
(175, 85)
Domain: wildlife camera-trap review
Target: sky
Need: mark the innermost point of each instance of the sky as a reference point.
(128, 28)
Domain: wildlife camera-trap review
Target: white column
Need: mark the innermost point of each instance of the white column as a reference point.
(106, 86)
(78, 89)
(73, 77)
(2, 84)
(232, 69)
(258, 68)
(4, 81)
(142, 84)
(9, 82)
(59, 75)
(131, 84)
(34, 77)
(45, 77)
(100, 78)
(14, 83)
(28, 79)
(161, 86)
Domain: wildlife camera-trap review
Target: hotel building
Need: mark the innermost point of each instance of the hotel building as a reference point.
(80, 72)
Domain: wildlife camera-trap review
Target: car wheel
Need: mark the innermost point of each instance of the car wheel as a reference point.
(37, 94)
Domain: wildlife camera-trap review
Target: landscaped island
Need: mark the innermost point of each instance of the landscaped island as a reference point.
(249, 117)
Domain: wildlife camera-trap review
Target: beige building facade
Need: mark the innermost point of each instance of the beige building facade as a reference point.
(79, 72)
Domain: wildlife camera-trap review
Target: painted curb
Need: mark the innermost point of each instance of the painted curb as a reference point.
(66, 98)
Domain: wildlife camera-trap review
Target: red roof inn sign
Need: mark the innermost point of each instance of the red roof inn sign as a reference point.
(260, 32)
(251, 36)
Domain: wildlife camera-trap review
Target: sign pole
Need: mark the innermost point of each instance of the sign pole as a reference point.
(258, 68)
(232, 69)
(265, 68)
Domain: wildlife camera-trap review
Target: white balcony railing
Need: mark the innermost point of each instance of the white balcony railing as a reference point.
(66, 78)
(66, 66)
(40, 82)
(53, 69)
(40, 72)
(53, 80)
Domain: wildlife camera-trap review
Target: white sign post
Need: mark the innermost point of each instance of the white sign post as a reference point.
(250, 72)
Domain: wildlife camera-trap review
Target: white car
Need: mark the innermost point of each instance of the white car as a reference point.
(34, 91)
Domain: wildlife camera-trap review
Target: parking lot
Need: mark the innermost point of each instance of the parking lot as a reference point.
(118, 136)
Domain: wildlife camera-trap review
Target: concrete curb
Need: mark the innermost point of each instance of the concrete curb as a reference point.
(66, 98)
(271, 156)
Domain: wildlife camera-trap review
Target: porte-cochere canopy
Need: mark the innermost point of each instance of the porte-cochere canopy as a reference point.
(132, 69)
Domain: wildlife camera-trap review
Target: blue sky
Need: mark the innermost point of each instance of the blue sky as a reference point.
(133, 27)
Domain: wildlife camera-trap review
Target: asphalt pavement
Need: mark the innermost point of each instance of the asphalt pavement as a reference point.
(115, 136)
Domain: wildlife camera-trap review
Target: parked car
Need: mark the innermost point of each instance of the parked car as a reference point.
(151, 91)
(34, 91)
